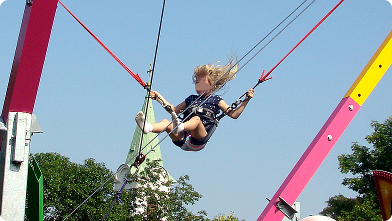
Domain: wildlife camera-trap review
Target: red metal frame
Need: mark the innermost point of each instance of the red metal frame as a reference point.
(29, 57)
(20, 98)
(26, 73)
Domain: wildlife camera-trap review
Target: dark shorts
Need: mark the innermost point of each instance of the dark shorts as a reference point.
(188, 143)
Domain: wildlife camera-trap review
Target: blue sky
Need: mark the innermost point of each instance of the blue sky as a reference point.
(86, 102)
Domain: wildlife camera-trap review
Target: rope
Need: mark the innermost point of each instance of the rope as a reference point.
(276, 27)
(310, 32)
(140, 81)
(117, 197)
(185, 118)
(103, 184)
(135, 76)
(264, 76)
(152, 71)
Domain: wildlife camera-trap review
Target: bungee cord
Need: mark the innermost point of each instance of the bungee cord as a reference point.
(151, 71)
(117, 196)
(142, 83)
(160, 141)
(94, 192)
(135, 76)
(264, 77)
(276, 27)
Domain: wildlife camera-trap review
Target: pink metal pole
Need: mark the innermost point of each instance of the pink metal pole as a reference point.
(330, 133)
(312, 158)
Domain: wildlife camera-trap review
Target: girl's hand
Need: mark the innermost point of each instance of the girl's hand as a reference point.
(250, 93)
(154, 95)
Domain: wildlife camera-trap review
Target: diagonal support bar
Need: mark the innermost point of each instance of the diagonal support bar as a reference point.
(312, 158)
(29, 57)
(15, 134)
(329, 134)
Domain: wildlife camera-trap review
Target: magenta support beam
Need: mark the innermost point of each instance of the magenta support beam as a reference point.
(329, 134)
(312, 158)
(29, 57)
(19, 104)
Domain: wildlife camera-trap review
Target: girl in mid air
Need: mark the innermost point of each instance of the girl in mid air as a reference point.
(200, 114)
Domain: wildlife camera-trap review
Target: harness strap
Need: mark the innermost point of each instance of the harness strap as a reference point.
(204, 140)
(205, 114)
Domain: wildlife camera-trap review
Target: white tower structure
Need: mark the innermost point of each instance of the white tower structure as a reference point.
(140, 140)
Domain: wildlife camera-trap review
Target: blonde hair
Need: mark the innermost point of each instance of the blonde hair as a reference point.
(217, 75)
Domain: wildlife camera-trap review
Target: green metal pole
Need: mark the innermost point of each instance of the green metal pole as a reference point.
(35, 192)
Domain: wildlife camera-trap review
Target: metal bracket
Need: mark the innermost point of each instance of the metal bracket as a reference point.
(21, 137)
(35, 127)
(2, 124)
(286, 208)
(121, 181)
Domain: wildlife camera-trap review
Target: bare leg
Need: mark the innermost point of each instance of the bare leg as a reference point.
(195, 127)
(160, 126)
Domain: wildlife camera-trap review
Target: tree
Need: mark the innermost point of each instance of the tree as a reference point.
(361, 163)
(156, 204)
(223, 217)
(67, 185)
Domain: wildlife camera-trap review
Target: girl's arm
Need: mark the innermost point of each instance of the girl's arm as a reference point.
(236, 112)
(179, 108)
(155, 95)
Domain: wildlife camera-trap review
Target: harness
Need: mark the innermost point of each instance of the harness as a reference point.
(207, 117)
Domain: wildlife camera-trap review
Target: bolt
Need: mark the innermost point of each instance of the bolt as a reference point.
(351, 107)
(329, 137)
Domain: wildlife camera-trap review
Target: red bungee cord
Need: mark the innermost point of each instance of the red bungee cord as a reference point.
(264, 77)
(307, 35)
(135, 76)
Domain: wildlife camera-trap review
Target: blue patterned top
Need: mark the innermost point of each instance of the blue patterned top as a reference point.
(211, 103)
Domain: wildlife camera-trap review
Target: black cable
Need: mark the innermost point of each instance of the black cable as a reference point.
(156, 49)
(152, 70)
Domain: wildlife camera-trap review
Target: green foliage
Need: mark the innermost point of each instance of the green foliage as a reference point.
(67, 185)
(338, 204)
(170, 202)
(361, 163)
(342, 208)
(223, 217)
(364, 160)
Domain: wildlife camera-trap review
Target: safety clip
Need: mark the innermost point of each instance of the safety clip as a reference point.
(139, 159)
